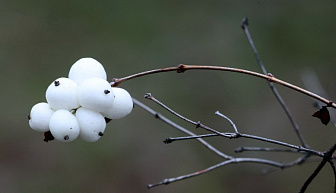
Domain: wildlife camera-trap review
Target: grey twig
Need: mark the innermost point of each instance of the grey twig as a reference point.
(197, 124)
(227, 118)
(242, 149)
(271, 84)
(231, 161)
(242, 135)
(326, 158)
(169, 122)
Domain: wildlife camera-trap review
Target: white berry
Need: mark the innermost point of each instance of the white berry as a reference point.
(95, 94)
(86, 68)
(122, 105)
(92, 124)
(64, 126)
(40, 116)
(62, 94)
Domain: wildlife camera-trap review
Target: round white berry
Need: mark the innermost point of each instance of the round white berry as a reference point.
(62, 94)
(86, 68)
(40, 116)
(92, 124)
(122, 105)
(95, 94)
(64, 126)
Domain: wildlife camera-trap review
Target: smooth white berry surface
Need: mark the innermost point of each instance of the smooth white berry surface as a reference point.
(122, 105)
(95, 94)
(86, 68)
(64, 126)
(80, 106)
(92, 124)
(62, 94)
(40, 116)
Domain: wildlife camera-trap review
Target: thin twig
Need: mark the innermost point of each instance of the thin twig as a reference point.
(169, 122)
(231, 161)
(334, 172)
(197, 124)
(274, 90)
(298, 161)
(326, 158)
(183, 68)
(267, 149)
(242, 135)
(230, 121)
(227, 135)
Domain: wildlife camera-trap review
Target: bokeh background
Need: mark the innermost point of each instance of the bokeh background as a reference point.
(41, 39)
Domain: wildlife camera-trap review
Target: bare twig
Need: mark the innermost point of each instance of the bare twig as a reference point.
(334, 172)
(183, 68)
(242, 135)
(268, 149)
(326, 158)
(197, 124)
(274, 90)
(227, 118)
(231, 161)
(164, 119)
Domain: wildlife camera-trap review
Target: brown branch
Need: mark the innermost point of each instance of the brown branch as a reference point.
(182, 68)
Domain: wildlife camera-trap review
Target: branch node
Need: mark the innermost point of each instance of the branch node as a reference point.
(330, 103)
(148, 96)
(115, 82)
(270, 77)
(244, 23)
(239, 150)
(168, 140)
(198, 125)
(181, 68)
(299, 148)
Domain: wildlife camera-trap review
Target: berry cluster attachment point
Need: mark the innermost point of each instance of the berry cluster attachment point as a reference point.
(80, 105)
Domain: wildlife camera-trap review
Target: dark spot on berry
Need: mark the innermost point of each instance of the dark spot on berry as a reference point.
(106, 91)
(100, 134)
(107, 120)
(48, 136)
(66, 137)
(57, 83)
(29, 117)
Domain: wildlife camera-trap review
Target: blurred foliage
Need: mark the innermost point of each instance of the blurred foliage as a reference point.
(40, 40)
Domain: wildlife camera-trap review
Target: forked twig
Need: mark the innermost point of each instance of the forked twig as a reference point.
(327, 158)
(169, 122)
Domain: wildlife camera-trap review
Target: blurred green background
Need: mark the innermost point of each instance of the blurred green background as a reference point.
(41, 39)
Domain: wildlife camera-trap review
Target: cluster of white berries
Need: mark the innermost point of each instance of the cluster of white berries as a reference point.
(80, 105)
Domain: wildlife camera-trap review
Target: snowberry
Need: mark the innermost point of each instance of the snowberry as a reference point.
(86, 68)
(92, 124)
(122, 105)
(64, 126)
(62, 94)
(95, 94)
(39, 117)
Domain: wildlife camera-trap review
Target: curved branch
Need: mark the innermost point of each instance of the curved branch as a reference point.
(182, 68)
